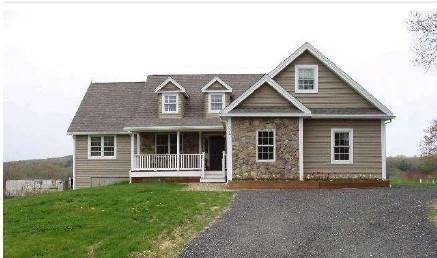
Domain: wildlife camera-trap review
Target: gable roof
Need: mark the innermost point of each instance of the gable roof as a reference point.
(217, 79)
(275, 86)
(173, 82)
(334, 68)
(107, 107)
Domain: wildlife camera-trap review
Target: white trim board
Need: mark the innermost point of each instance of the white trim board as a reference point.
(175, 128)
(356, 86)
(350, 131)
(265, 114)
(170, 80)
(275, 86)
(222, 94)
(217, 79)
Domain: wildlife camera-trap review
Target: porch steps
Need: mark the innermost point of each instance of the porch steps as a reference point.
(213, 177)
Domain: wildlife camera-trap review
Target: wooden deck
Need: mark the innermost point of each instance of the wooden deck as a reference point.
(335, 184)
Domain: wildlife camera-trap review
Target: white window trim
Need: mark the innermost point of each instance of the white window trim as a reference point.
(296, 78)
(274, 145)
(163, 102)
(209, 102)
(351, 145)
(102, 147)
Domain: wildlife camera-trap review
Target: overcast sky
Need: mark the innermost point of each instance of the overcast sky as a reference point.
(53, 51)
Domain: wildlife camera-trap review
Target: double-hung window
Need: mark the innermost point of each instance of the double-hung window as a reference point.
(169, 103)
(342, 146)
(101, 147)
(265, 145)
(306, 79)
(166, 143)
(216, 102)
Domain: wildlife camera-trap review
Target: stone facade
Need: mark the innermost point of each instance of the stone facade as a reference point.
(245, 166)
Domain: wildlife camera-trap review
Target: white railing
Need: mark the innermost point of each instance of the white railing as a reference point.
(155, 162)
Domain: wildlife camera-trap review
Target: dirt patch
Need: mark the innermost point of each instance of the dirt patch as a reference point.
(205, 187)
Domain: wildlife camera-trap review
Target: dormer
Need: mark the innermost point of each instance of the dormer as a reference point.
(217, 95)
(171, 99)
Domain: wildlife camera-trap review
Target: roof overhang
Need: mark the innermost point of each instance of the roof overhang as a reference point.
(175, 128)
(334, 68)
(97, 132)
(275, 86)
(352, 116)
(265, 114)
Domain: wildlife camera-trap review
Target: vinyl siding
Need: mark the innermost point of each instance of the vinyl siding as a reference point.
(366, 146)
(170, 87)
(216, 86)
(333, 91)
(87, 169)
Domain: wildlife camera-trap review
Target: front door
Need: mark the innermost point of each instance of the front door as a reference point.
(216, 147)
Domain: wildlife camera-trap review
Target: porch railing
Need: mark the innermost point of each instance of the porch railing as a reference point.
(155, 162)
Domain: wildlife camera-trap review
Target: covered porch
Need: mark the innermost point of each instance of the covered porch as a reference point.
(199, 155)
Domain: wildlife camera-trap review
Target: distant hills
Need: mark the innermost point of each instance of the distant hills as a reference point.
(51, 168)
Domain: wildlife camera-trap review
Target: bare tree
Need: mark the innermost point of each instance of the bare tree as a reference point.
(428, 146)
(424, 27)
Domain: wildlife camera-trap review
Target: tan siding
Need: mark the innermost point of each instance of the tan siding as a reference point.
(170, 87)
(366, 146)
(181, 107)
(266, 97)
(333, 91)
(110, 168)
(216, 86)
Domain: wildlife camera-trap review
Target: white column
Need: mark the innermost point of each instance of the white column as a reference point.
(200, 142)
(300, 148)
(132, 150)
(74, 162)
(383, 154)
(229, 149)
(178, 137)
(138, 143)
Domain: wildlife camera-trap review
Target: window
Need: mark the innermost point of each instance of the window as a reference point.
(216, 102)
(306, 79)
(166, 143)
(265, 145)
(341, 146)
(100, 147)
(169, 103)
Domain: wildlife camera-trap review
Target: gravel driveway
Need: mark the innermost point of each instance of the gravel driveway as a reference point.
(322, 223)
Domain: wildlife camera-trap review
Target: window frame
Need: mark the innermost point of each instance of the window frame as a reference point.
(163, 103)
(274, 145)
(169, 145)
(351, 145)
(102, 147)
(210, 103)
(296, 78)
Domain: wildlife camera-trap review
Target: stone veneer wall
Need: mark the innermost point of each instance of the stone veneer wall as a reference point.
(286, 165)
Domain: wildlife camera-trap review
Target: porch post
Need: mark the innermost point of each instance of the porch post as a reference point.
(229, 149)
(138, 143)
(200, 142)
(132, 155)
(178, 137)
(300, 148)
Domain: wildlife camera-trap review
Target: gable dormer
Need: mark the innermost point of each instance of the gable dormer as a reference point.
(171, 99)
(217, 95)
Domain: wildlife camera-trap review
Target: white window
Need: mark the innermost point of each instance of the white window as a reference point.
(342, 146)
(265, 145)
(101, 147)
(166, 143)
(306, 79)
(169, 103)
(216, 102)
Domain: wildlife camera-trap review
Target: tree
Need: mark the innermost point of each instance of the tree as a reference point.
(423, 25)
(428, 148)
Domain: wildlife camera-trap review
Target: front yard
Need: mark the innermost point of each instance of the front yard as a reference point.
(150, 219)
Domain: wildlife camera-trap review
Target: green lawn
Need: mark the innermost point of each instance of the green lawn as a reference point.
(413, 182)
(149, 219)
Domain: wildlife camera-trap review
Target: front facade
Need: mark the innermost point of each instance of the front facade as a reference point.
(306, 119)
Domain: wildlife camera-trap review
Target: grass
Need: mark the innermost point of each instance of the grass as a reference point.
(138, 220)
(413, 182)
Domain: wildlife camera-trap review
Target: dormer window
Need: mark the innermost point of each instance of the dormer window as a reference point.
(216, 102)
(306, 79)
(169, 103)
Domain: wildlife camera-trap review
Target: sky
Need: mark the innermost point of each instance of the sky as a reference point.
(51, 53)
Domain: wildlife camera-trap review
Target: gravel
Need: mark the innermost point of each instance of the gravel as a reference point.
(322, 223)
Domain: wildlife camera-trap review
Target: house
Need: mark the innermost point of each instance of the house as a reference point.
(304, 119)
